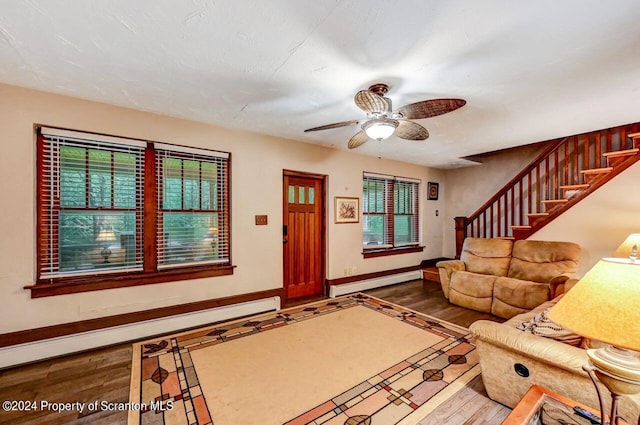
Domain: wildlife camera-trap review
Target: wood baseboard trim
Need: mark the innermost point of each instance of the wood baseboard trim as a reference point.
(46, 332)
(373, 275)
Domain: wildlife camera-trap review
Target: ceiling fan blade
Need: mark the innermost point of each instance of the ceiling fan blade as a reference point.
(430, 108)
(358, 139)
(371, 103)
(410, 130)
(334, 125)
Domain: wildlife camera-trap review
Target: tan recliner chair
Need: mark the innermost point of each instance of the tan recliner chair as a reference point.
(507, 278)
(512, 361)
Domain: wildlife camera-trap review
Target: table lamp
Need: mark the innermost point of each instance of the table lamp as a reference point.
(212, 235)
(629, 248)
(106, 236)
(605, 306)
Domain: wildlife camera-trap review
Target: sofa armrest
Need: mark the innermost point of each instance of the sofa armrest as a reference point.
(545, 350)
(446, 269)
(562, 283)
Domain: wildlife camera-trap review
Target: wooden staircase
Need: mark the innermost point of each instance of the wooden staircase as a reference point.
(565, 172)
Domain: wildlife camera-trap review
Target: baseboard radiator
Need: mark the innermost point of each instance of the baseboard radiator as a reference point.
(43, 349)
(363, 285)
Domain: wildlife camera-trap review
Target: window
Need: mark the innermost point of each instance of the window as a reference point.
(390, 212)
(191, 208)
(118, 212)
(90, 193)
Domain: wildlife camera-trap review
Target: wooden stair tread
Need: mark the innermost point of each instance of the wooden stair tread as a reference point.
(575, 186)
(551, 205)
(597, 170)
(633, 135)
(521, 227)
(537, 214)
(554, 201)
(627, 152)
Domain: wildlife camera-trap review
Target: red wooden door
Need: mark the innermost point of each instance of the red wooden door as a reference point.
(303, 234)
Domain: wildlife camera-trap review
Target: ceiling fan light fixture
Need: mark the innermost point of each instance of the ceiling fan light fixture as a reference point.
(383, 121)
(380, 128)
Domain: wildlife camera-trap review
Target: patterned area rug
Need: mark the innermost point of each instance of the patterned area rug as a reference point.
(345, 361)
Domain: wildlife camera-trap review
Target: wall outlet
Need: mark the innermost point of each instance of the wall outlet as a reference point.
(350, 271)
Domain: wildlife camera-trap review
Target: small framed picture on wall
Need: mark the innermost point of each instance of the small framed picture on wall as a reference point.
(432, 191)
(347, 210)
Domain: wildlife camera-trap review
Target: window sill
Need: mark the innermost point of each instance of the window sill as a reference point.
(61, 286)
(372, 253)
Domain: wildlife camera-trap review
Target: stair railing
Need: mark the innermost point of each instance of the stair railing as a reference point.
(553, 176)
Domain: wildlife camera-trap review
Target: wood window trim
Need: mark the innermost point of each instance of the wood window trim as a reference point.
(372, 253)
(62, 286)
(150, 273)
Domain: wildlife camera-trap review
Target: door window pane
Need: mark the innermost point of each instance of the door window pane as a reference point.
(292, 194)
(312, 195)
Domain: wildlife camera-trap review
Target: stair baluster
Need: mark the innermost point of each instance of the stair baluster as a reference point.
(565, 172)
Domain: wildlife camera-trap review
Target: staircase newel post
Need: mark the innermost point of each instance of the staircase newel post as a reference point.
(461, 233)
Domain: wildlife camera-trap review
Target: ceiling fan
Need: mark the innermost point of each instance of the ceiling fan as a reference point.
(382, 121)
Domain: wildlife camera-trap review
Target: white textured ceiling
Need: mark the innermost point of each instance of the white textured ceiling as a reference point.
(529, 70)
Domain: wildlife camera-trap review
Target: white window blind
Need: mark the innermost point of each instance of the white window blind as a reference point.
(376, 218)
(90, 206)
(192, 197)
(391, 211)
(406, 205)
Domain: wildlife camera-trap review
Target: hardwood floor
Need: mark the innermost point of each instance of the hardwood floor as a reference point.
(471, 405)
(99, 375)
(104, 374)
(426, 297)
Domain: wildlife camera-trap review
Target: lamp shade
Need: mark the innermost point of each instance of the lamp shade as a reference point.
(604, 305)
(106, 236)
(624, 250)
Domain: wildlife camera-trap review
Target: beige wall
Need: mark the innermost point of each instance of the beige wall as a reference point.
(601, 221)
(256, 250)
(467, 189)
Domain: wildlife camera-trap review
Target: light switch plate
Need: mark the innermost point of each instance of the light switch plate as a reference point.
(261, 220)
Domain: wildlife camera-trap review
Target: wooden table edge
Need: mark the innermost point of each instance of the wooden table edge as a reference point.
(530, 403)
